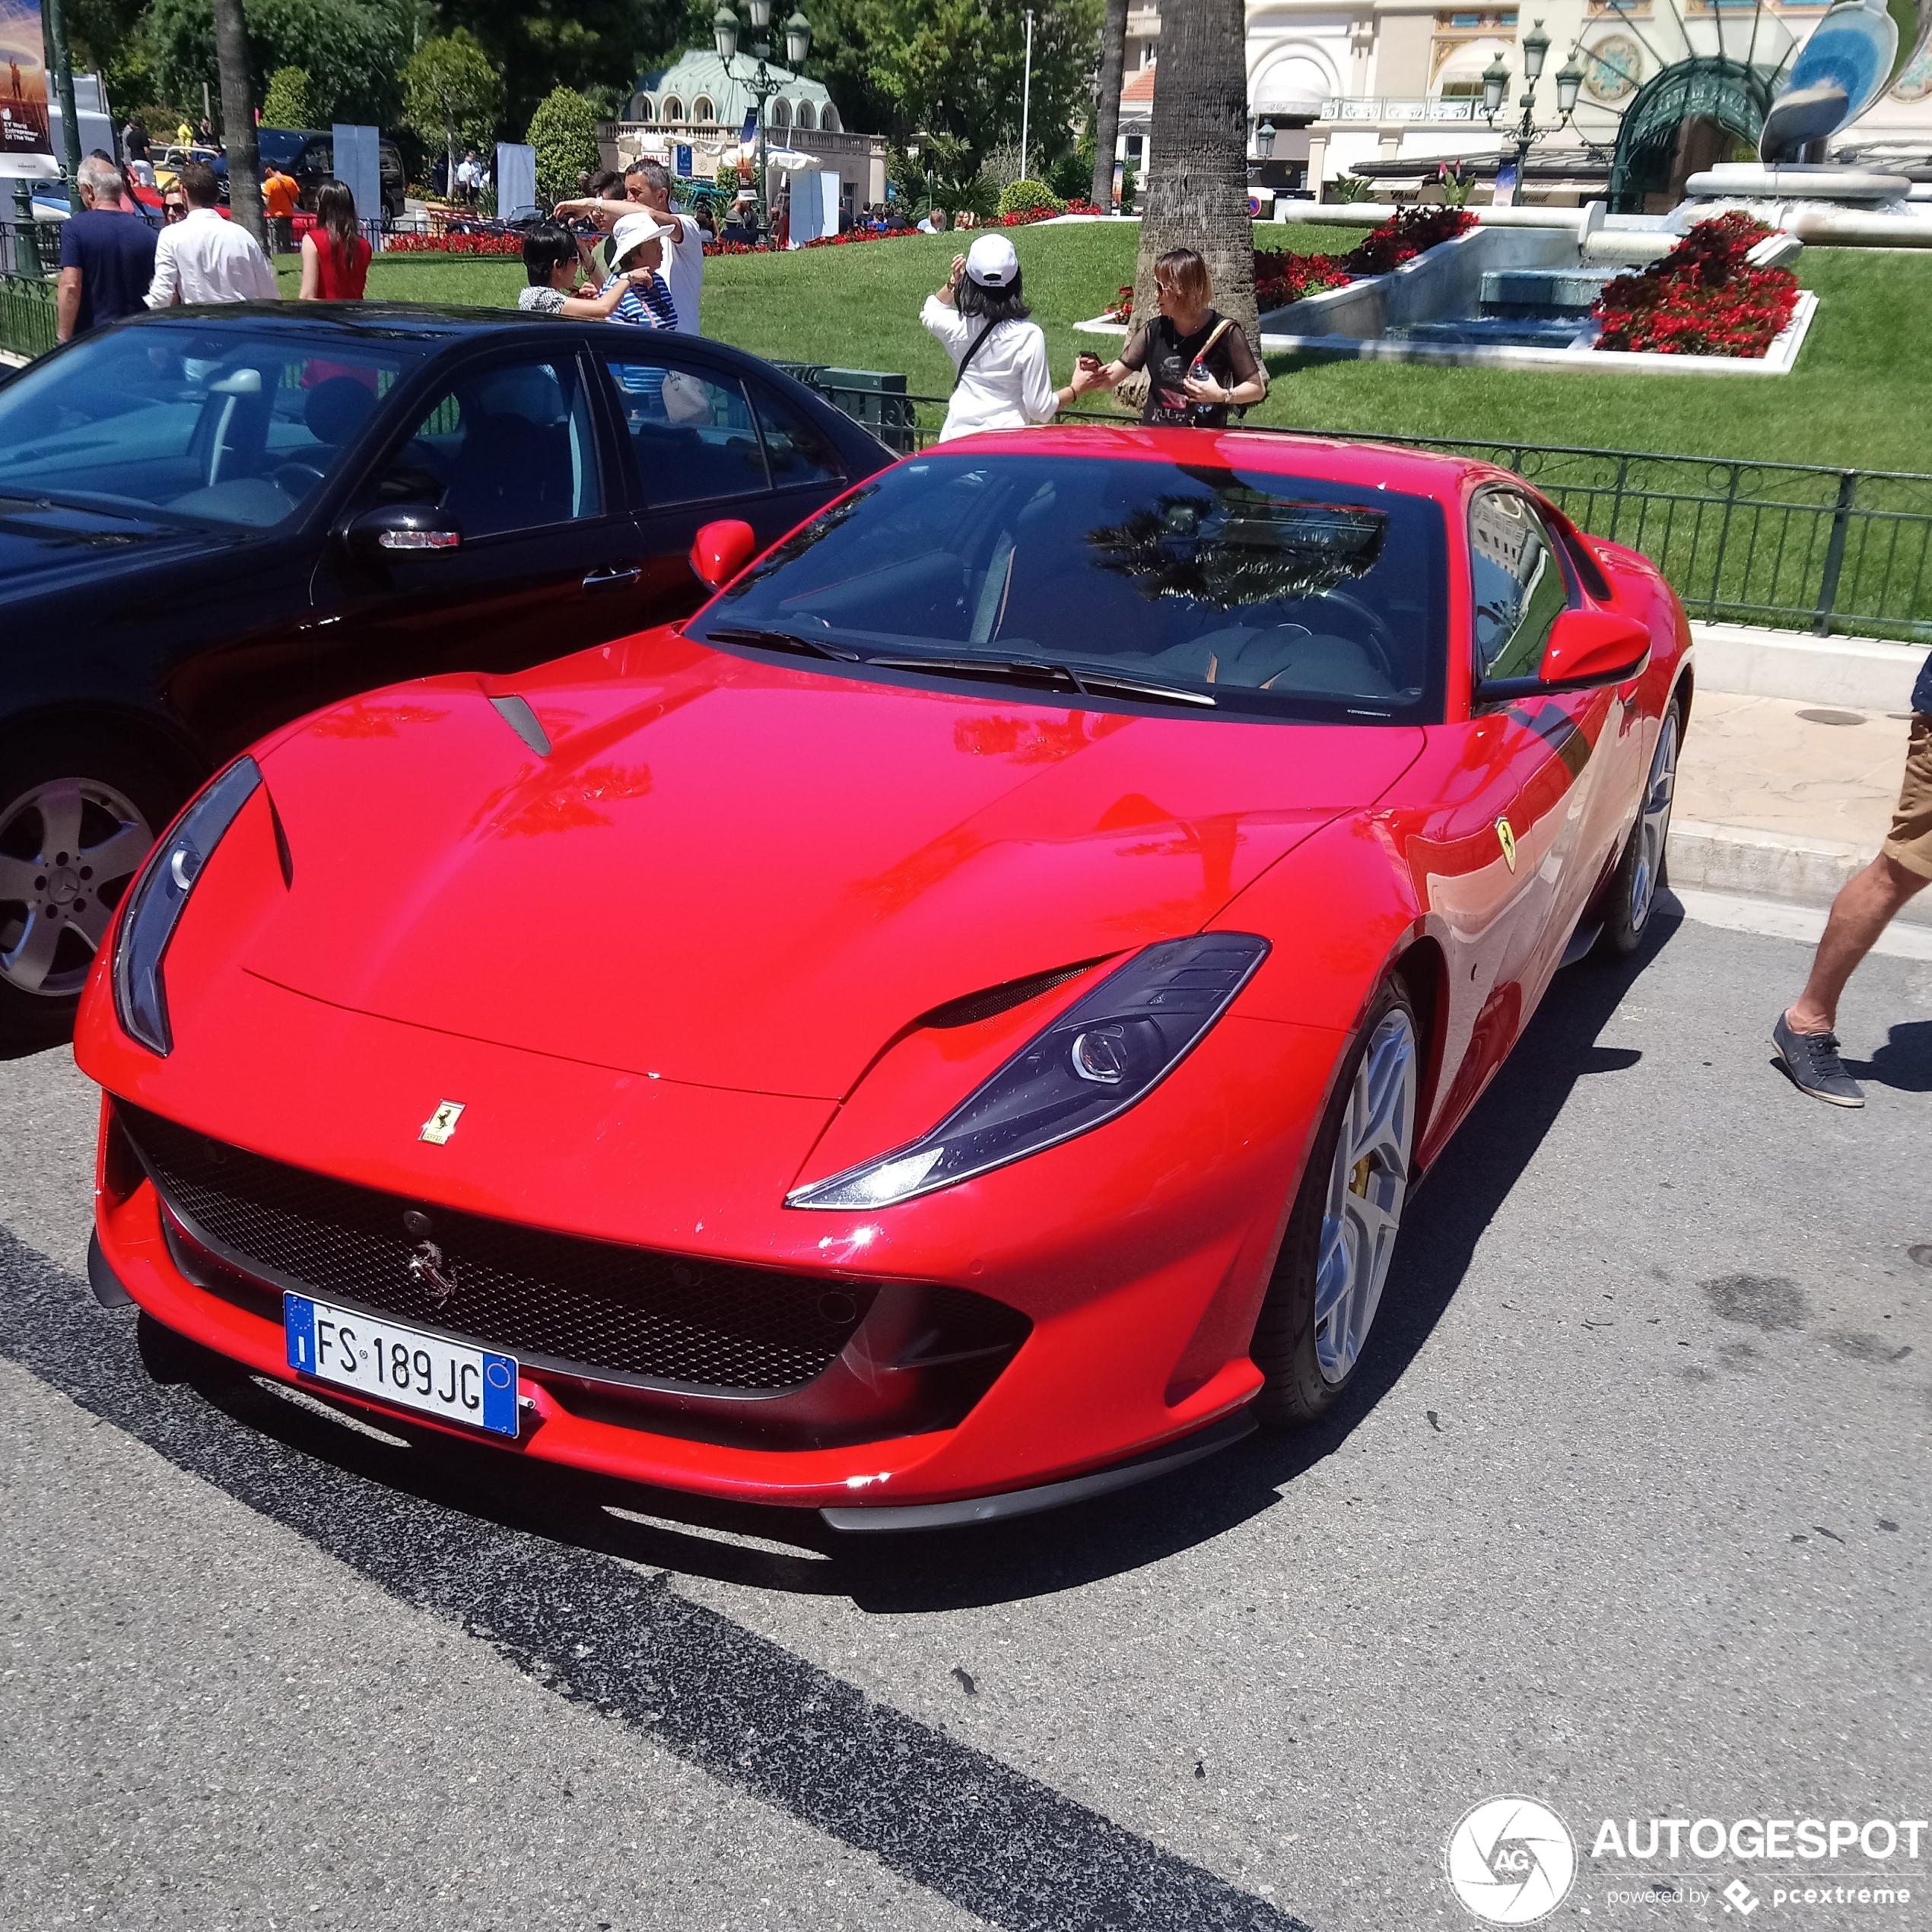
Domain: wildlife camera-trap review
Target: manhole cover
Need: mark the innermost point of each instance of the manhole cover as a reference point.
(1834, 717)
(1922, 1254)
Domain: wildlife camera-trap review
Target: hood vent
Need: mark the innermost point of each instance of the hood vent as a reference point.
(516, 714)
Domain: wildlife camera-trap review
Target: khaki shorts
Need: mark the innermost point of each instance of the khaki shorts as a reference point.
(1910, 841)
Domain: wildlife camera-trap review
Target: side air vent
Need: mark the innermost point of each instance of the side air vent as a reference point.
(973, 1007)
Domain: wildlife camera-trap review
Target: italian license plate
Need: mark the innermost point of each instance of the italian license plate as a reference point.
(402, 1365)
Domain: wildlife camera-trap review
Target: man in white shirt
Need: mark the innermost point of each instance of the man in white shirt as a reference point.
(205, 258)
(649, 185)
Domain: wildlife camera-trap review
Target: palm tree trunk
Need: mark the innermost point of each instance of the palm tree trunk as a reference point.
(1107, 100)
(1197, 173)
(238, 120)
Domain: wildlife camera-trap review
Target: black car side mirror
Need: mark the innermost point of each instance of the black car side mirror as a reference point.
(379, 534)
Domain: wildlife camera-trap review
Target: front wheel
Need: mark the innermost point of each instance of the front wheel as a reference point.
(1342, 1233)
(1643, 868)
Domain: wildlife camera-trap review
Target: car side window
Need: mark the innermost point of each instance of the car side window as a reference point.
(799, 451)
(691, 433)
(1516, 572)
(503, 449)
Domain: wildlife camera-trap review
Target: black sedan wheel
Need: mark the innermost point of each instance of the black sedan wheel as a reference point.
(75, 823)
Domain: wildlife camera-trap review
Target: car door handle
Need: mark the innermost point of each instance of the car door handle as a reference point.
(610, 579)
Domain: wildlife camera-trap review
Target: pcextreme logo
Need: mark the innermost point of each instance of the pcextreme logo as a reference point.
(1512, 1861)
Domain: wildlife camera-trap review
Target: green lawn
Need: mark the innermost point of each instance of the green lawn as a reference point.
(1858, 397)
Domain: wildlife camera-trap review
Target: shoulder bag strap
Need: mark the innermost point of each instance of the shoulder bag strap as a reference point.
(966, 361)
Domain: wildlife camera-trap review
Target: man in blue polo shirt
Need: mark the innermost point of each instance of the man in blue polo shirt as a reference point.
(1805, 1035)
(107, 255)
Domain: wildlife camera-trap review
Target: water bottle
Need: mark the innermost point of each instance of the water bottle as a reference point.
(1198, 373)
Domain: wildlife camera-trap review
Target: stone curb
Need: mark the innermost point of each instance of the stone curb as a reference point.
(1863, 674)
(1750, 864)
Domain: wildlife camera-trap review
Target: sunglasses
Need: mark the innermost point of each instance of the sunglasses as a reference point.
(175, 211)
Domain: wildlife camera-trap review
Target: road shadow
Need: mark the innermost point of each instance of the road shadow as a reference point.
(793, 1551)
(1904, 1062)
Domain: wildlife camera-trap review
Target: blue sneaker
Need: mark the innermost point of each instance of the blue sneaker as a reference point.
(1811, 1060)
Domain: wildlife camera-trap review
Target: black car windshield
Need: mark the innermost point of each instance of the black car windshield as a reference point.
(1237, 590)
(201, 424)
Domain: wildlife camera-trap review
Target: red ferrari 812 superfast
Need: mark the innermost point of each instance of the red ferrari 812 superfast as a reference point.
(949, 1028)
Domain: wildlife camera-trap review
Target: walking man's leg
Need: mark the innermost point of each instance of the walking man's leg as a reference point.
(1806, 1032)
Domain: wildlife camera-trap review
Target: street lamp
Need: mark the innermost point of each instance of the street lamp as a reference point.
(760, 83)
(1264, 141)
(1495, 85)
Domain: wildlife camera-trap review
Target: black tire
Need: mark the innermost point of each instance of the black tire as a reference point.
(1295, 1390)
(117, 776)
(1644, 866)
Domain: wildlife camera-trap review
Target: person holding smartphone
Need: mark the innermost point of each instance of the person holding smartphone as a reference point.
(1198, 362)
(1000, 379)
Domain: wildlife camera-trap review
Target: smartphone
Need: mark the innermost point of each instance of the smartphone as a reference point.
(1088, 360)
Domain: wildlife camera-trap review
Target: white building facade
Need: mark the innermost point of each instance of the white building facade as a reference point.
(1391, 88)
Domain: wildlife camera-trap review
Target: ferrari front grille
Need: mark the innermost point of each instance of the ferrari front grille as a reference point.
(589, 1308)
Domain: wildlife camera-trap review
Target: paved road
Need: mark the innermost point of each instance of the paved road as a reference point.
(1631, 1516)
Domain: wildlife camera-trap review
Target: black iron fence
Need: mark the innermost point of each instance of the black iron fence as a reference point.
(1788, 545)
(26, 314)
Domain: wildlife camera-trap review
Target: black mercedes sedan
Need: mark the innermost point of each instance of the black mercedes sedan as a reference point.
(213, 520)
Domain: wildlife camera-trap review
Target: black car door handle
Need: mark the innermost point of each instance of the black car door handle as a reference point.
(610, 579)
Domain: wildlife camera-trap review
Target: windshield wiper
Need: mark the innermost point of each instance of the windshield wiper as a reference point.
(730, 634)
(1088, 680)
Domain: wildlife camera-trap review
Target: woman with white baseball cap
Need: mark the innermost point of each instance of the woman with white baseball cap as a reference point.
(1000, 358)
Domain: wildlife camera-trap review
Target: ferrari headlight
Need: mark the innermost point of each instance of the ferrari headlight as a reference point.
(155, 905)
(1106, 1052)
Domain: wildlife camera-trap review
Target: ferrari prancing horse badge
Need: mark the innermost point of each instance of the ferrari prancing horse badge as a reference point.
(441, 1123)
(1504, 838)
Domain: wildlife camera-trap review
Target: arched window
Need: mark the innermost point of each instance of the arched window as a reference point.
(640, 107)
(701, 109)
(828, 120)
(674, 108)
(807, 116)
(781, 113)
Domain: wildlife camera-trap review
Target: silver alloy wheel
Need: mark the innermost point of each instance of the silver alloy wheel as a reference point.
(1653, 821)
(68, 849)
(1366, 1186)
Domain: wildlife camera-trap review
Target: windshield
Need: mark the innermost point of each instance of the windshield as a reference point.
(222, 424)
(1250, 593)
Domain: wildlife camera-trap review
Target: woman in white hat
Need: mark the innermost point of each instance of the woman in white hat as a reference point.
(1002, 381)
(638, 245)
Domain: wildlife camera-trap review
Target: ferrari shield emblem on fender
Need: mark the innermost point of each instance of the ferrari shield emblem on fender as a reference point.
(1505, 838)
(441, 1123)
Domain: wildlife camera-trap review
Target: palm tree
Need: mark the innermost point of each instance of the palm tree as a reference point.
(238, 120)
(1197, 172)
(1107, 100)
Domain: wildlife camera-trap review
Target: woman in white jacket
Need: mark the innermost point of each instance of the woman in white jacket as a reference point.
(1002, 381)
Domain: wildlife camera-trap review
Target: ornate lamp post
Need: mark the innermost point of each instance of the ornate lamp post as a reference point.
(1495, 85)
(760, 84)
(1264, 142)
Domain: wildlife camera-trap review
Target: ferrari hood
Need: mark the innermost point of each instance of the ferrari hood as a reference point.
(736, 876)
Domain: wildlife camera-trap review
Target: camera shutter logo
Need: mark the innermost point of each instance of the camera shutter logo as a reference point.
(1512, 1861)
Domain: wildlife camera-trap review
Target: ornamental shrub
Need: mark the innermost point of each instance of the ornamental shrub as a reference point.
(564, 132)
(290, 102)
(1027, 197)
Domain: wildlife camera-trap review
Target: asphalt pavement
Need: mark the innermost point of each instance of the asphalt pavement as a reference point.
(1627, 1514)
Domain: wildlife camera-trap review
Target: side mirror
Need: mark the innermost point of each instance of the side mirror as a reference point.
(722, 549)
(1593, 647)
(383, 532)
(1586, 649)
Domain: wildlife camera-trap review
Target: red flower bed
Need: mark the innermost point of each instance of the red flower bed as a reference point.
(452, 245)
(1280, 277)
(1703, 298)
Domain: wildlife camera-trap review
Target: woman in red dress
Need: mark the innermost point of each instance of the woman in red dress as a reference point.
(334, 255)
